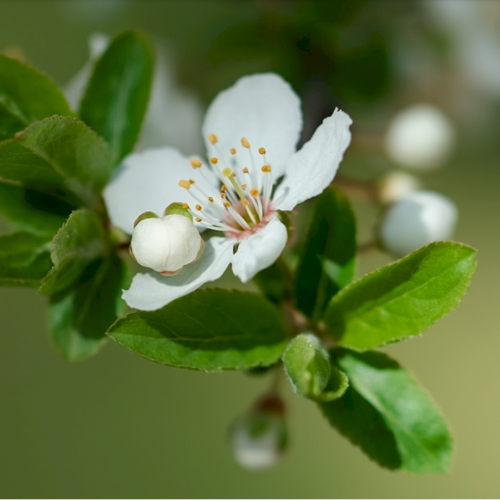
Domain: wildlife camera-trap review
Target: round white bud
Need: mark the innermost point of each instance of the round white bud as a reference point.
(417, 219)
(165, 244)
(395, 185)
(419, 137)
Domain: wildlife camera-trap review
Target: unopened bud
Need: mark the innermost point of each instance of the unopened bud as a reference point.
(419, 137)
(416, 220)
(166, 244)
(395, 185)
(259, 438)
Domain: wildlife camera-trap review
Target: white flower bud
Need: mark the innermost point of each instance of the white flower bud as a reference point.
(416, 220)
(419, 137)
(395, 185)
(259, 438)
(166, 244)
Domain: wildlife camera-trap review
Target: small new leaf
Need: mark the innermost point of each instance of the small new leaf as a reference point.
(402, 299)
(328, 262)
(210, 330)
(76, 244)
(389, 416)
(80, 316)
(26, 96)
(58, 153)
(117, 95)
(24, 259)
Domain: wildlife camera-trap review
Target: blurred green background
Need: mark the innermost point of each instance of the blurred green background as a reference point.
(120, 426)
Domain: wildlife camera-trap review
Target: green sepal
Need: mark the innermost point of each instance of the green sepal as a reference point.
(117, 94)
(389, 416)
(178, 209)
(58, 154)
(331, 244)
(144, 216)
(210, 330)
(403, 299)
(79, 241)
(26, 96)
(80, 316)
(24, 258)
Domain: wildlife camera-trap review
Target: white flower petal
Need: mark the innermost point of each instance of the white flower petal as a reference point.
(312, 169)
(147, 181)
(264, 109)
(152, 291)
(417, 219)
(260, 250)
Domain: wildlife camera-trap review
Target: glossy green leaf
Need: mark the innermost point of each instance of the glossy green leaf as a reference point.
(403, 299)
(58, 153)
(79, 241)
(210, 330)
(79, 317)
(389, 416)
(117, 95)
(32, 211)
(330, 245)
(26, 96)
(24, 258)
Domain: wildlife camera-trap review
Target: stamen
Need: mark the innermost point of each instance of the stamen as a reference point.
(243, 186)
(198, 219)
(262, 151)
(210, 199)
(185, 206)
(191, 181)
(214, 160)
(245, 170)
(213, 138)
(245, 143)
(198, 207)
(223, 196)
(232, 151)
(196, 163)
(266, 168)
(223, 187)
(254, 192)
(185, 184)
(227, 204)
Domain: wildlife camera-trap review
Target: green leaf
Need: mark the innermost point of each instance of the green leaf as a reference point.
(210, 330)
(26, 96)
(389, 416)
(331, 246)
(275, 281)
(76, 244)
(80, 317)
(24, 258)
(58, 153)
(117, 95)
(308, 367)
(403, 299)
(32, 211)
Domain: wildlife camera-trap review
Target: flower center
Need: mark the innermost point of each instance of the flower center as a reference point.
(242, 203)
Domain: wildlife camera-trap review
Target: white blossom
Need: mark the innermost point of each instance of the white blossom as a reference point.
(251, 131)
(419, 137)
(416, 220)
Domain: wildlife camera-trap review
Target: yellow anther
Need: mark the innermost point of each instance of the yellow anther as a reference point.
(223, 196)
(232, 151)
(213, 138)
(185, 206)
(210, 199)
(185, 184)
(198, 219)
(227, 204)
(243, 186)
(254, 192)
(233, 174)
(223, 188)
(262, 151)
(266, 168)
(214, 160)
(198, 207)
(245, 203)
(191, 181)
(196, 163)
(245, 143)
(245, 170)
(227, 172)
